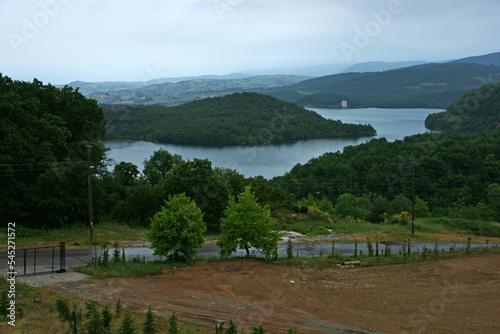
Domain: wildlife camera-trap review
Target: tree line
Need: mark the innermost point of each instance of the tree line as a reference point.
(454, 174)
(477, 110)
(236, 119)
(45, 132)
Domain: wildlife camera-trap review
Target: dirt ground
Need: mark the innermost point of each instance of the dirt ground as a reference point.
(454, 295)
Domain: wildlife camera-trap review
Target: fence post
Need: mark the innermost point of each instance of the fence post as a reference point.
(62, 258)
(25, 261)
(53, 249)
(34, 263)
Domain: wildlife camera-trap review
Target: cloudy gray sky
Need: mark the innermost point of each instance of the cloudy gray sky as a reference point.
(59, 41)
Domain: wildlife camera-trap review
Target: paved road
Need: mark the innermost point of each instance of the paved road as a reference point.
(76, 257)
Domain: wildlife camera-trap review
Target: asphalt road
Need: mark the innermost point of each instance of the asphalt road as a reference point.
(76, 257)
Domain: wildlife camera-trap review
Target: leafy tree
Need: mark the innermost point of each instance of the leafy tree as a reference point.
(494, 196)
(325, 205)
(200, 182)
(347, 205)
(159, 164)
(125, 173)
(128, 324)
(149, 326)
(234, 180)
(44, 131)
(400, 204)
(177, 228)
(247, 223)
(421, 208)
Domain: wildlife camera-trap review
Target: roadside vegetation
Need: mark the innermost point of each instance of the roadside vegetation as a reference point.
(379, 254)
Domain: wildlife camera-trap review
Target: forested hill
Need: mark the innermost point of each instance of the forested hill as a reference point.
(426, 86)
(44, 133)
(474, 111)
(236, 119)
(452, 172)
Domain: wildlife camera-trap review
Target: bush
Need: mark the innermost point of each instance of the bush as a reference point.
(475, 227)
(320, 230)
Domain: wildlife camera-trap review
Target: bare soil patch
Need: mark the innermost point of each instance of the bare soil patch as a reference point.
(451, 295)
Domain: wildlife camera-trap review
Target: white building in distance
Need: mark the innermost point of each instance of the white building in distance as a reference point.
(344, 104)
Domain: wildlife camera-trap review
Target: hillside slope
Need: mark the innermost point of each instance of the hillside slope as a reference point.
(487, 60)
(175, 93)
(430, 85)
(236, 119)
(474, 111)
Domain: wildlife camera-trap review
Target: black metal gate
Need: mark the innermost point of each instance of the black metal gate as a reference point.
(41, 260)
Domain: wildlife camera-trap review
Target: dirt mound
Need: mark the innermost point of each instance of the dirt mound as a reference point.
(458, 295)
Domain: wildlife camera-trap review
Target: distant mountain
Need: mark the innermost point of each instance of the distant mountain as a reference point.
(379, 66)
(320, 70)
(235, 119)
(427, 86)
(476, 110)
(87, 88)
(487, 60)
(170, 93)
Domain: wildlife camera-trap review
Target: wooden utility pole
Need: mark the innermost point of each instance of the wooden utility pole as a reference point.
(413, 202)
(91, 211)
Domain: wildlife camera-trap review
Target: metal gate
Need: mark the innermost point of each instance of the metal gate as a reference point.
(41, 260)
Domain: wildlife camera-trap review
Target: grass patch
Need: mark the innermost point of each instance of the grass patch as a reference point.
(325, 262)
(426, 229)
(474, 227)
(131, 268)
(74, 236)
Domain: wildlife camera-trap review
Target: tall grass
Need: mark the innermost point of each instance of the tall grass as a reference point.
(74, 235)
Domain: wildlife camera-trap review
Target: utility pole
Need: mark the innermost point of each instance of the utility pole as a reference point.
(413, 201)
(91, 211)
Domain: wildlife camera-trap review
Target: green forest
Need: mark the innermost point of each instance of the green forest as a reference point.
(236, 119)
(477, 110)
(46, 132)
(422, 86)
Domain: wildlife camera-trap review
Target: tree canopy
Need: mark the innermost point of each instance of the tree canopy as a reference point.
(247, 223)
(44, 133)
(477, 110)
(177, 228)
(451, 172)
(236, 119)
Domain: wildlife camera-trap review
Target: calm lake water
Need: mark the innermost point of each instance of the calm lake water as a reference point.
(274, 160)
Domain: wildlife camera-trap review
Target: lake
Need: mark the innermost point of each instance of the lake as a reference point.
(273, 160)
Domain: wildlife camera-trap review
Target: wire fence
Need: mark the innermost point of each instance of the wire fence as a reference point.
(41, 260)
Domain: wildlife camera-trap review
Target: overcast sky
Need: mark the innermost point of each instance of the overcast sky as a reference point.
(60, 41)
